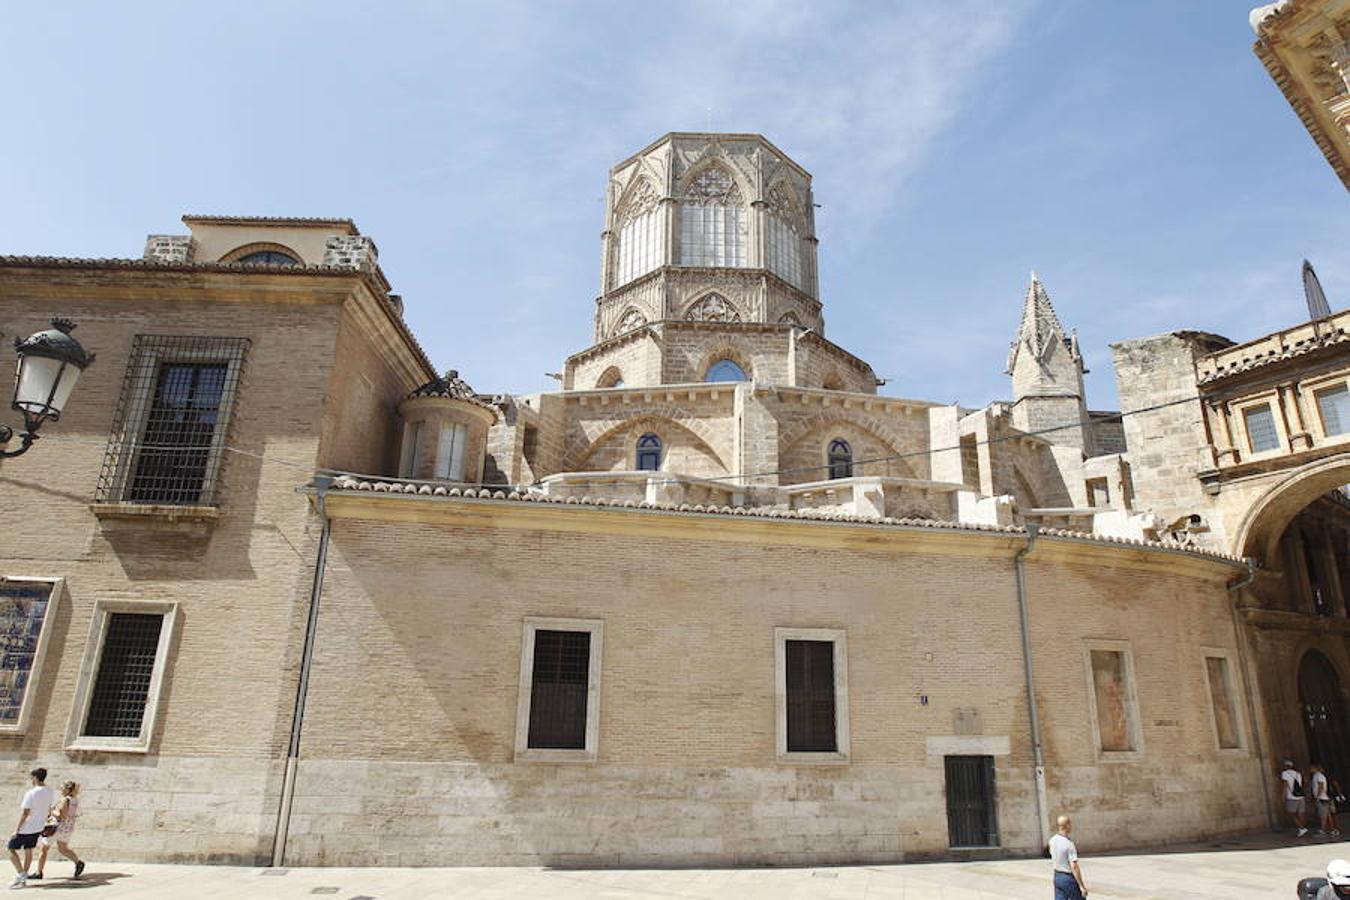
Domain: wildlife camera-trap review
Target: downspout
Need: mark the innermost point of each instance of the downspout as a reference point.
(1037, 756)
(1247, 689)
(321, 485)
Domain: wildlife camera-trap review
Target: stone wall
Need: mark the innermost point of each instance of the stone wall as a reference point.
(686, 771)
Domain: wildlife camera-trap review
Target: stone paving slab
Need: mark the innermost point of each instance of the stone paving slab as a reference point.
(1260, 867)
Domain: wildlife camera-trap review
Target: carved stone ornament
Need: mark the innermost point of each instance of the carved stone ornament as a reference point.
(643, 199)
(631, 319)
(714, 184)
(783, 201)
(789, 318)
(712, 308)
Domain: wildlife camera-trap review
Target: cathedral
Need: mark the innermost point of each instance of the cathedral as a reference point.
(286, 593)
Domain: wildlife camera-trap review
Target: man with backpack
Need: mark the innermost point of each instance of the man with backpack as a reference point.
(1293, 795)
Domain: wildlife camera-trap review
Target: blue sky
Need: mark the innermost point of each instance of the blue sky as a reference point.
(1135, 154)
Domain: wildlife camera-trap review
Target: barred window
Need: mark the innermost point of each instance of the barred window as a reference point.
(122, 686)
(840, 456)
(558, 712)
(649, 453)
(118, 692)
(169, 427)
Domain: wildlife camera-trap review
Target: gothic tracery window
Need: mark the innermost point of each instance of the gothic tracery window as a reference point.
(633, 318)
(783, 239)
(712, 308)
(713, 221)
(641, 234)
(789, 318)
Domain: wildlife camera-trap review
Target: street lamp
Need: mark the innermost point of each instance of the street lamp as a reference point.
(50, 362)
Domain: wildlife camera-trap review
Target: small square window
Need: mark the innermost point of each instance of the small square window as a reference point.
(558, 709)
(1099, 492)
(122, 676)
(1333, 404)
(1261, 432)
(812, 693)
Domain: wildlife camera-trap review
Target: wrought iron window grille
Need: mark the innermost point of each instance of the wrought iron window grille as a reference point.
(171, 422)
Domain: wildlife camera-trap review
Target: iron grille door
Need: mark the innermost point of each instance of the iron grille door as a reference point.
(124, 672)
(176, 448)
(558, 690)
(810, 697)
(972, 819)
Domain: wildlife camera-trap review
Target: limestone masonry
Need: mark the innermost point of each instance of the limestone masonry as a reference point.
(284, 593)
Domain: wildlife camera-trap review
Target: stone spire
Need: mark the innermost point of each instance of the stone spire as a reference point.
(1040, 330)
(1047, 373)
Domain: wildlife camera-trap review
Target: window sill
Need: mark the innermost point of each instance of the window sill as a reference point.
(163, 511)
(555, 756)
(802, 758)
(109, 745)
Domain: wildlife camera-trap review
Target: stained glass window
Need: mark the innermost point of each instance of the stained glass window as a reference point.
(713, 225)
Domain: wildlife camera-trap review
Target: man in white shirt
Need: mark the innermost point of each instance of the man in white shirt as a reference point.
(1069, 883)
(36, 806)
(1293, 795)
(1319, 791)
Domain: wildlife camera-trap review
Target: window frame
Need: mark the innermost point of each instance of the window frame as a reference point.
(639, 451)
(1131, 701)
(1239, 411)
(526, 753)
(845, 463)
(1311, 389)
(89, 667)
(57, 588)
(146, 367)
(839, 637)
(1239, 720)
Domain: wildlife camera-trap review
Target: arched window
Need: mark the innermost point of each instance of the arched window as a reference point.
(713, 223)
(725, 370)
(610, 378)
(649, 453)
(641, 234)
(268, 258)
(783, 238)
(841, 459)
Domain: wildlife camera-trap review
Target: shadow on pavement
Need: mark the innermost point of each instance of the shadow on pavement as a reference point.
(88, 880)
(1256, 840)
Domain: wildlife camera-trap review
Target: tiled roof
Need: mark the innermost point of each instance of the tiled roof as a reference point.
(154, 265)
(1259, 359)
(514, 495)
(270, 220)
(452, 386)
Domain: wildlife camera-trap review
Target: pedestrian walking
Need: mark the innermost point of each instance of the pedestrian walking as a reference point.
(1069, 884)
(1319, 789)
(64, 814)
(37, 804)
(1293, 796)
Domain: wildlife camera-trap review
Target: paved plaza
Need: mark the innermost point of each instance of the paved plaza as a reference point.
(1259, 867)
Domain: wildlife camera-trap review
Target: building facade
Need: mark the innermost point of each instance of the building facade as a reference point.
(287, 594)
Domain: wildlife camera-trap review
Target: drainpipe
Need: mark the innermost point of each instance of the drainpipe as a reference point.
(1038, 757)
(321, 484)
(1247, 687)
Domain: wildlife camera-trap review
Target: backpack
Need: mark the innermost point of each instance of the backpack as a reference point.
(1297, 788)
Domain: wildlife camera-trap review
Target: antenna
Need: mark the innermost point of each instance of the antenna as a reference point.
(1318, 308)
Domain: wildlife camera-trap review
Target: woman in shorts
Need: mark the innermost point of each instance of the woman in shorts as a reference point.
(64, 813)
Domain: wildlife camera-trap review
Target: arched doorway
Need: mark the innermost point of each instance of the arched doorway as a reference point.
(1324, 715)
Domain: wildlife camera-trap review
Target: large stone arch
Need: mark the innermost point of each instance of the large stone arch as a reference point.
(674, 429)
(1266, 518)
(798, 450)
